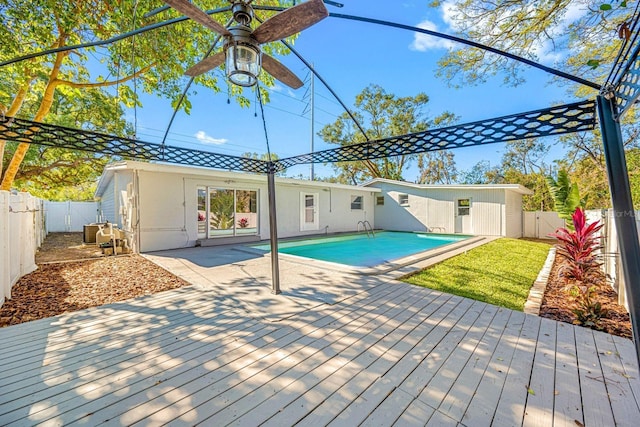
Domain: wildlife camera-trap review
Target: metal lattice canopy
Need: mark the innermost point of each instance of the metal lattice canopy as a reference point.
(575, 117)
(19, 130)
(624, 79)
(579, 116)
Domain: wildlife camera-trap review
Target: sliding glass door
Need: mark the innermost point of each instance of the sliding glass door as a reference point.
(221, 216)
(246, 212)
(227, 212)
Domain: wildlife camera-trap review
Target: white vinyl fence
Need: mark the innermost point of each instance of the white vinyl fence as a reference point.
(69, 216)
(610, 250)
(540, 224)
(21, 234)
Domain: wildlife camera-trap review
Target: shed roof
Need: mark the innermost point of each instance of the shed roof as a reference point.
(509, 187)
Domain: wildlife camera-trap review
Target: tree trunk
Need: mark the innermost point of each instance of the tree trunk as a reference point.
(11, 112)
(45, 106)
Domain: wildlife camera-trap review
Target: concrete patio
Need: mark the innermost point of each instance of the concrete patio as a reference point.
(336, 348)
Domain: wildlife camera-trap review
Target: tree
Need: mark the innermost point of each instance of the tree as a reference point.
(566, 196)
(522, 163)
(60, 86)
(582, 38)
(437, 167)
(579, 35)
(265, 158)
(586, 163)
(482, 173)
(526, 156)
(382, 115)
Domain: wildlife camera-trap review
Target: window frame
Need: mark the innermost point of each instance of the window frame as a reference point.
(463, 209)
(358, 204)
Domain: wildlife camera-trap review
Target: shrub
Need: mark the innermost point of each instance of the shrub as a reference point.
(589, 311)
(578, 247)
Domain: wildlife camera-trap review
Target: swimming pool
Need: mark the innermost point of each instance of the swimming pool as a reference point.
(361, 251)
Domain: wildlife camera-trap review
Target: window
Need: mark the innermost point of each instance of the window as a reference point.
(403, 199)
(380, 200)
(356, 203)
(464, 206)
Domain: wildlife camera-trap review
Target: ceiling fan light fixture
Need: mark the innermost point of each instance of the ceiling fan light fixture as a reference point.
(243, 63)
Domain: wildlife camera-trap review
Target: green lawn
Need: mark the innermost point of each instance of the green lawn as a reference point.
(500, 272)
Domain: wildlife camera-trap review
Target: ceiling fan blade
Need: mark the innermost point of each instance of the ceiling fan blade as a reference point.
(206, 64)
(280, 72)
(291, 21)
(196, 14)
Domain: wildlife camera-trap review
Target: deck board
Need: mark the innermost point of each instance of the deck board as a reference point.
(595, 409)
(541, 387)
(461, 392)
(568, 403)
(511, 405)
(624, 406)
(381, 353)
(485, 399)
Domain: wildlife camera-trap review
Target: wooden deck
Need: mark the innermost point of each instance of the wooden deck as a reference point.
(391, 354)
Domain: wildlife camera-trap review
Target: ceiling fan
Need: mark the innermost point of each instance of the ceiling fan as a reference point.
(241, 50)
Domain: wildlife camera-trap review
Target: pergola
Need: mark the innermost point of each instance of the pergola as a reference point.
(617, 95)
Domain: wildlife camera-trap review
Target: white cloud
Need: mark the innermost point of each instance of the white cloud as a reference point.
(423, 42)
(206, 139)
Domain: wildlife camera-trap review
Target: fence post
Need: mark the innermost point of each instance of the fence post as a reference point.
(5, 266)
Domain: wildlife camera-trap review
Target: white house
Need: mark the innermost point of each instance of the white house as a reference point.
(490, 210)
(163, 206)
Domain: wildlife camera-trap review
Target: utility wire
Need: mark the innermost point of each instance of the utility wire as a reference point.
(189, 83)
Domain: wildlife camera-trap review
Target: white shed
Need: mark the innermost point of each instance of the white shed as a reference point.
(166, 206)
(489, 210)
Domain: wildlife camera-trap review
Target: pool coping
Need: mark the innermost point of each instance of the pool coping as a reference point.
(387, 267)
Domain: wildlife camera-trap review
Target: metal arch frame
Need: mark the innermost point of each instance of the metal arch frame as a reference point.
(620, 93)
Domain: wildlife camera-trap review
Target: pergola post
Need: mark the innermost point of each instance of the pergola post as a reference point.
(273, 228)
(624, 214)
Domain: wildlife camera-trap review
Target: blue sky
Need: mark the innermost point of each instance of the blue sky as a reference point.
(351, 55)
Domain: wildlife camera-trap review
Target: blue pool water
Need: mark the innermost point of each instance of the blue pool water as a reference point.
(361, 251)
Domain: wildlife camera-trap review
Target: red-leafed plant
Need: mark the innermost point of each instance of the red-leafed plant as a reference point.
(578, 247)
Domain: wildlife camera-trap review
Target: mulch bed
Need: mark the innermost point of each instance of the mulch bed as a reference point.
(558, 303)
(59, 287)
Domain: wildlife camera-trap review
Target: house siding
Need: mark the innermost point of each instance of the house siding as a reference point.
(166, 214)
(392, 216)
(109, 208)
(513, 215)
(334, 205)
(494, 211)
